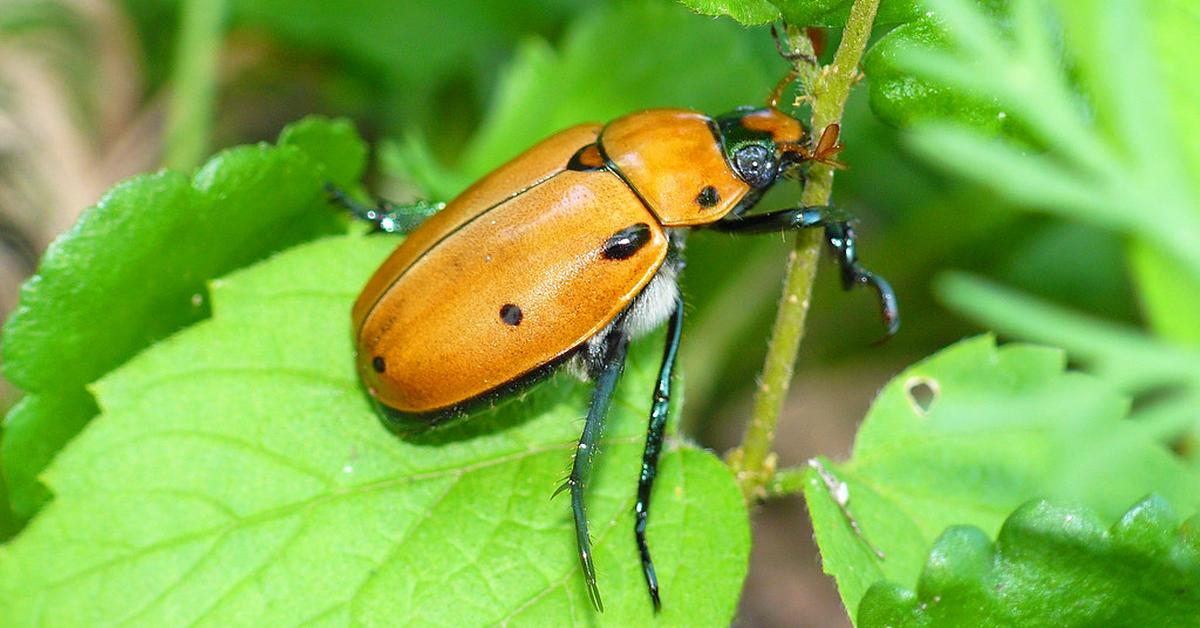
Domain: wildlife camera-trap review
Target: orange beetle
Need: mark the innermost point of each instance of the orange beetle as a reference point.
(564, 254)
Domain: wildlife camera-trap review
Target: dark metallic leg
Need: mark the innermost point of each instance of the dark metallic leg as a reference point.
(840, 235)
(387, 217)
(782, 220)
(654, 439)
(616, 347)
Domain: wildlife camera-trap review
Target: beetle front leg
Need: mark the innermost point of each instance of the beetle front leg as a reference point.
(386, 216)
(839, 233)
(616, 346)
(654, 438)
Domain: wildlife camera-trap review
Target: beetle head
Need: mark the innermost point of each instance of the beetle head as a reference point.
(761, 143)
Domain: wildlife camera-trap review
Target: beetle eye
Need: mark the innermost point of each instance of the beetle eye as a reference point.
(755, 165)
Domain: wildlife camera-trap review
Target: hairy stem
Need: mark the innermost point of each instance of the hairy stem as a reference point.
(194, 83)
(828, 88)
(785, 482)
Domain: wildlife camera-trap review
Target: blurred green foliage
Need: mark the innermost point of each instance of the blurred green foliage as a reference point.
(1107, 145)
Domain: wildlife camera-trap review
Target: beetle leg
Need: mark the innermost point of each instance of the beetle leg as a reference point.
(841, 238)
(777, 221)
(615, 349)
(654, 439)
(839, 233)
(387, 217)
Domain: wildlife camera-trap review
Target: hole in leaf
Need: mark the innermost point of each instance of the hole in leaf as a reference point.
(922, 392)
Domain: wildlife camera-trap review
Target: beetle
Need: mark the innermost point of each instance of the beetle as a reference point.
(564, 255)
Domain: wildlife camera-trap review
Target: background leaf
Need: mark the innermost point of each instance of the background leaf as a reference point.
(237, 472)
(1129, 360)
(405, 56)
(902, 98)
(1170, 300)
(1100, 139)
(748, 12)
(1053, 565)
(822, 13)
(833, 13)
(966, 436)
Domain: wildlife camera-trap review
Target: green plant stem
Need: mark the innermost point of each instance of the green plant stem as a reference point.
(785, 482)
(753, 461)
(194, 83)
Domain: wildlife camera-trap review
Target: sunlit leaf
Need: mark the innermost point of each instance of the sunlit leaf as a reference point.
(238, 474)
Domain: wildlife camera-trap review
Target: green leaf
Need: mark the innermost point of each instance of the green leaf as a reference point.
(237, 474)
(902, 98)
(412, 52)
(833, 13)
(1104, 141)
(1175, 35)
(334, 145)
(963, 438)
(1107, 152)
(748, 12)
(1151, 111)
(1170, 297)
(34, 431)
(132, 270)
(9, 522)
(1053, 566)
(128, 272)
(825, 13)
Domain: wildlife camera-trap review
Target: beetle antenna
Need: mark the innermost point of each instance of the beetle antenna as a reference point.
(777, 93)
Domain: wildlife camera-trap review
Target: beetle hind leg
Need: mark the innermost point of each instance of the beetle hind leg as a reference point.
(608, 371)
(654, 437)
(387, 217)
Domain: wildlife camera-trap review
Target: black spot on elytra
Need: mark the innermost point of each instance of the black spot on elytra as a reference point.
(624, 243)
(511, 314)
(378, 364)
(708, 197)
